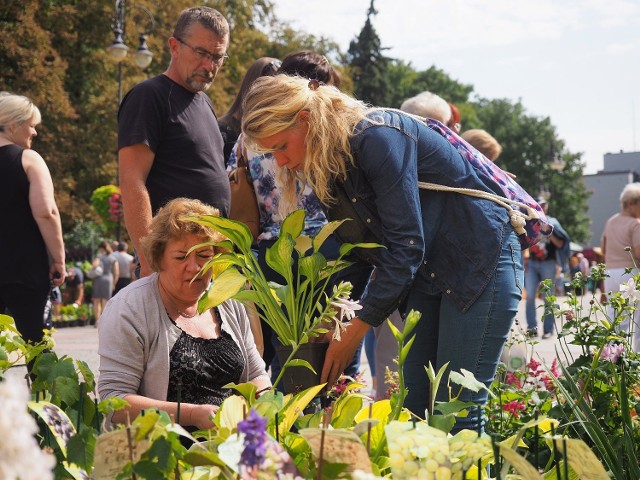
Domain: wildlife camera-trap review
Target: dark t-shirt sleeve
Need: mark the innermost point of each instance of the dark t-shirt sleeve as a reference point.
(141, 117)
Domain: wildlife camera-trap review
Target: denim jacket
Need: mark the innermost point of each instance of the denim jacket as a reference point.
(455, 238)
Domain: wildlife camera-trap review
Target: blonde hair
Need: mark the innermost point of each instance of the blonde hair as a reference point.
(16, 109)
(273, 105)
(482, 141)
(170, 224)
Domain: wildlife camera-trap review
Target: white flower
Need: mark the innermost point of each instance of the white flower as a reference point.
(566, 307)
(20, 454)
(628, 290)
(345, 308)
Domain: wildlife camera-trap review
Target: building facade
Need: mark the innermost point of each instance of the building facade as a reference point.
(605, 188)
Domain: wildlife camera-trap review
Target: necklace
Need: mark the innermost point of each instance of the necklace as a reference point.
(174, 306)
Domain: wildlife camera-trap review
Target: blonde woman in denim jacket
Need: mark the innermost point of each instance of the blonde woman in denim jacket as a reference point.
(454, 258)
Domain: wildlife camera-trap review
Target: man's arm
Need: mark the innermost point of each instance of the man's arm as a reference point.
(135, 164)
(80, 299)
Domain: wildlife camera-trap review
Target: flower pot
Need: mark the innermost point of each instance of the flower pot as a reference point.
(296, 379)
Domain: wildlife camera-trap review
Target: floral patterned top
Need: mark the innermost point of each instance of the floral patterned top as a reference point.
(263, 169)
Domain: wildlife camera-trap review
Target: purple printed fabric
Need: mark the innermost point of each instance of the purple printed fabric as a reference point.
(536, 228)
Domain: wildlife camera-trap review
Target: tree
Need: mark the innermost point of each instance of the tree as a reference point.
(369, 67)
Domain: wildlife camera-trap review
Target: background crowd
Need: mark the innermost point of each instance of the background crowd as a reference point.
(307, 145)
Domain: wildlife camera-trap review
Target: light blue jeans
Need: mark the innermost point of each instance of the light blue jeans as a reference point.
(472, 340)
(536, 272)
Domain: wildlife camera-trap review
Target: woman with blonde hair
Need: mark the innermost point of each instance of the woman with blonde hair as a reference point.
(31, 236)
(454, 258)
(156, 349)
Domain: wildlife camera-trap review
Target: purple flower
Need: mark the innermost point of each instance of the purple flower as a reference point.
(611, 352)
(255, 439)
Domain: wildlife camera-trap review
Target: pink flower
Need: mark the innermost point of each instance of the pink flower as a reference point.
(513, 379)
(514, 407)
(611, 352)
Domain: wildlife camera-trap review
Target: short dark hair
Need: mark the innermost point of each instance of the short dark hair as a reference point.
(122, 247)
(208, 17)
(311, 65)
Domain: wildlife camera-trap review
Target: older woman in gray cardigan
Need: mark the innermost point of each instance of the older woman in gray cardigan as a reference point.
(156, 348)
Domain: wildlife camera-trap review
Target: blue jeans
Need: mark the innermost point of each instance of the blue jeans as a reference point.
(536, 272)
(472, 340)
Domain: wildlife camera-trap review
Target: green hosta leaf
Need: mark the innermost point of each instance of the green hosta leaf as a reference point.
(228, 284)
(279, 256)
(247, 390)
(198, 457)
(303, 244)
(325, 232)
(232, 411)
(311, 265)
(235, 231)
(297, 362)
(293, 224)
(345, 411)
(247, 296)
(296, 404)
(346, 248)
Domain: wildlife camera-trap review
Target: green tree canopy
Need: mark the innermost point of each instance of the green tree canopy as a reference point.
(369, 67)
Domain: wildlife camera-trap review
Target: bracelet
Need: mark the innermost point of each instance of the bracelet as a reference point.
(260, 392)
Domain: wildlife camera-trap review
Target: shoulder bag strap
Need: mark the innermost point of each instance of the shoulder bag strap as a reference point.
(517, 217)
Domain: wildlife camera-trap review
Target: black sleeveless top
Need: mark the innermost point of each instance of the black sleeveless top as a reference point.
(23, 253)
(200, 367)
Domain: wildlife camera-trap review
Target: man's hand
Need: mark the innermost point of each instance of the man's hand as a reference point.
(341, 352)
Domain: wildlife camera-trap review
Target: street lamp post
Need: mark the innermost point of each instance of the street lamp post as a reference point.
(118, 50)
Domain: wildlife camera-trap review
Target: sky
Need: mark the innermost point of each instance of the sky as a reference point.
(575, 61)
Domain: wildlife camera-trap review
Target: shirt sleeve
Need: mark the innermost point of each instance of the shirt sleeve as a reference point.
(141, 118)
(121, 350)
(388, 158)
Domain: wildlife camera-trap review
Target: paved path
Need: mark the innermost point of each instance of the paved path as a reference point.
(82, 343)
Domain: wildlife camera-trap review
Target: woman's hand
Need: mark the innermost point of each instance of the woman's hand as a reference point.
(57, 273)
(201, 416)
(340, 353)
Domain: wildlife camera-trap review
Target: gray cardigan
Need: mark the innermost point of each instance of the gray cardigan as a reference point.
(136, 336)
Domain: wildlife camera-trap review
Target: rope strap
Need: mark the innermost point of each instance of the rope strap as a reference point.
(517, 217)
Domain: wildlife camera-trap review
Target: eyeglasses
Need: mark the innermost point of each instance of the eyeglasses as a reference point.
(203, 54)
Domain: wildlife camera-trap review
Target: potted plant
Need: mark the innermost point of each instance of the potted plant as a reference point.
(299, 310)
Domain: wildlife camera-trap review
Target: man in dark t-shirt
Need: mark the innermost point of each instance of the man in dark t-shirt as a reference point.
(168, 137)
